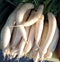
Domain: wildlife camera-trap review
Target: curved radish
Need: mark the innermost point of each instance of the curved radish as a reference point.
(52, 46)
(44, 33)
(43, 37)
(39, 29)
(50, 34)
(35, 46)
(22, 45)
(21, 12)
(35, 17)
(7, 30)
(19, 18)
(30, 40)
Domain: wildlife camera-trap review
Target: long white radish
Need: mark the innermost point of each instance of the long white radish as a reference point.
(50, 34)
(22, 44)
(19, 18)
(36, 43)
(27, 33)
(21, 12)
(38, 29)
(44, 34)
(7, 31)
(52, 46)
(35, 18)
(16, 38)
(30, 40)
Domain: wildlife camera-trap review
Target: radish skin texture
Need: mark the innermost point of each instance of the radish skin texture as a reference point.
(50, 34)
(22, 45)
(30, 40)
(38, 29)
(35, 17)
(54, 41)
(20, 28)
(23, 31)
(27, 31)
(43, 37)
(44, 33)
(36, 43)
(34, 53)
(16, 37)
(52, 46)
(7, 31)
(21, 12)
(21, 48)
(17, 33)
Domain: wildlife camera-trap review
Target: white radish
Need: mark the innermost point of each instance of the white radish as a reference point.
(21, 12)
(27, 34)
(22, 45)
(39, 29)
(50, 34)
(16, 38)
(19, 18)
(52, 46)
(36, 44)
(23, 31)
(30, 40)
(33, 53)
(35, 17)
(7, 31)
(44, 33)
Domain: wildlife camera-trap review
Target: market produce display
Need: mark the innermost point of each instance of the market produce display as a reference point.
(26, 33)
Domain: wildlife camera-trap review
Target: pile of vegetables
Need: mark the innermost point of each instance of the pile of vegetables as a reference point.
(27, 33)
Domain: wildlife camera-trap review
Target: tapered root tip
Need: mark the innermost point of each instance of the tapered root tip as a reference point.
(6, 52)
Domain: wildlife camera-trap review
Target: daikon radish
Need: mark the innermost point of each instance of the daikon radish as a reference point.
(39, 29)
(50, 34)
(36, 43)
(30, 40)
(44, 33)
(35, 17)
(52, 46)
(7, 31)
(43, 37)
(21, 29)
(27, 33)
(22, 45)
(21, 12)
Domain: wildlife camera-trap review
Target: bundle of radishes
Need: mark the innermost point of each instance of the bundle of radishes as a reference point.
(26, 34)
